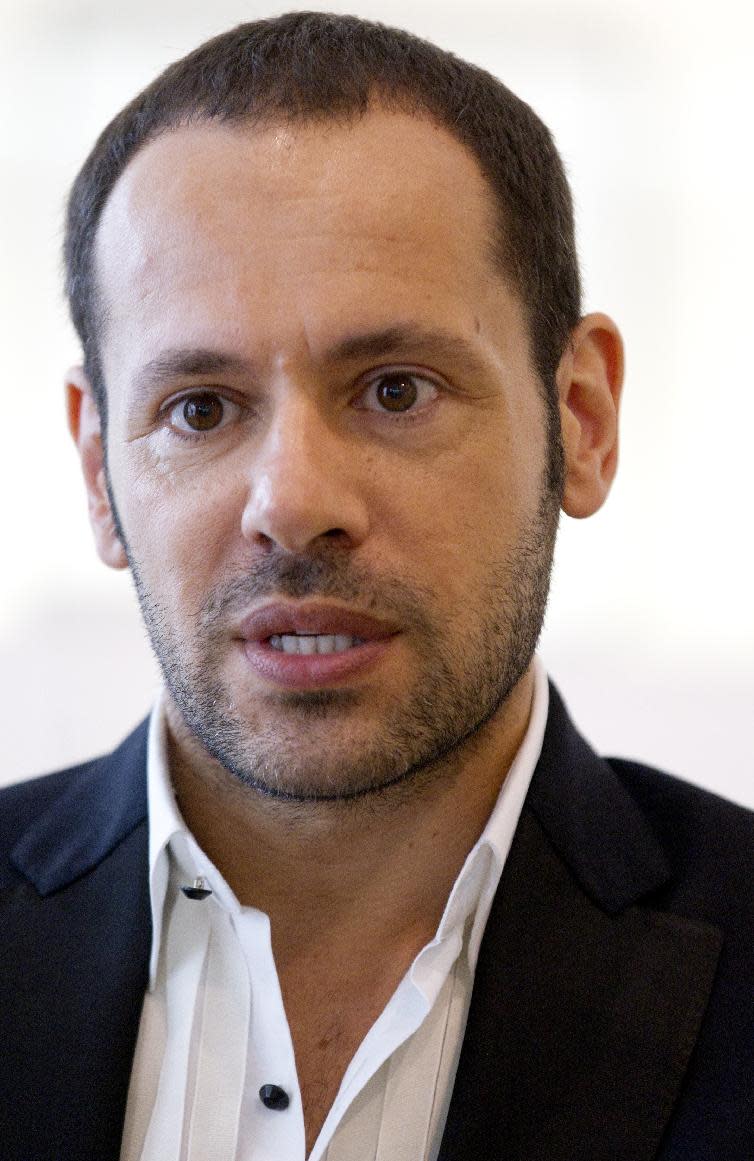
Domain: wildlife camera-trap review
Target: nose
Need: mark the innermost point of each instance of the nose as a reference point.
(303, 483)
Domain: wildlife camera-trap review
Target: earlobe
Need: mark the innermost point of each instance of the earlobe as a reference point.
(589, 380)
(85, 428)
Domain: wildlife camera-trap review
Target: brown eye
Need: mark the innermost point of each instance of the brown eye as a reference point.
(203, 412)
(397, 392)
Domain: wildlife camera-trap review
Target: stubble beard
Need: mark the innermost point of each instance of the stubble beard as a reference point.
(311, 750)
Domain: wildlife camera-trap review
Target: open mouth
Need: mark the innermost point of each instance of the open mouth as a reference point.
(309, 643)
(313, 627)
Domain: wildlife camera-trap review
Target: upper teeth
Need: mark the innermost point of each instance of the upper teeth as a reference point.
(313, 642)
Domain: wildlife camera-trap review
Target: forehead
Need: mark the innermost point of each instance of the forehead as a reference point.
(381, 153)
(388, 212)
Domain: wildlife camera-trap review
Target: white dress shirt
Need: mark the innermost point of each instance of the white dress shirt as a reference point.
(214, 1030)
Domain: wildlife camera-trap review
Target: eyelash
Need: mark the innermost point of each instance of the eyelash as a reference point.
(395, 417)
(198, 436)
(415, 413)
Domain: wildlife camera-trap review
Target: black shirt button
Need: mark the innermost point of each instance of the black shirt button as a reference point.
(273, 1096)
(197, 890)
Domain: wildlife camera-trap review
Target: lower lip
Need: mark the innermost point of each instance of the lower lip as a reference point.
(312, 670)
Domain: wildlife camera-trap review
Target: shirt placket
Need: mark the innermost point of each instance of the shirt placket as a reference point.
(272, 1131)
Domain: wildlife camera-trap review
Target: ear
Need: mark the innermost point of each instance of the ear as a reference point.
(84, 426)
(589, 380)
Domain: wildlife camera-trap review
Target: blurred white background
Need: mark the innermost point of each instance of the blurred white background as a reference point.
(650, 632)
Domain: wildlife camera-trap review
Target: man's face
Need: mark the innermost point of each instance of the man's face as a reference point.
(326, 445)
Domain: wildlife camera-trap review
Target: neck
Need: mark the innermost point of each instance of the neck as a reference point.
(372, 872)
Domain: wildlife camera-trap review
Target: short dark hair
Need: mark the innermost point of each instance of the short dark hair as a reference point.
(315, 66)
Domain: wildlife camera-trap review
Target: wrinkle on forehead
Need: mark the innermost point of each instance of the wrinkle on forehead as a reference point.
(175, 178)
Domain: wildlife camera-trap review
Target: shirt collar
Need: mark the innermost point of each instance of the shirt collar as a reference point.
(164, 823)
(469, 901)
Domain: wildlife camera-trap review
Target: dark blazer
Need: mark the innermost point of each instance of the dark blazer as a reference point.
(612, 1017)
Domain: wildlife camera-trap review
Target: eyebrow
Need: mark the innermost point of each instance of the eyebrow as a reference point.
(402, 339)
(185, 363)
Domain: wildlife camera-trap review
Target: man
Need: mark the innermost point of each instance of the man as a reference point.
(359, 889)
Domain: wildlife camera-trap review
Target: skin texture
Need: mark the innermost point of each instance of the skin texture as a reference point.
(276, 249)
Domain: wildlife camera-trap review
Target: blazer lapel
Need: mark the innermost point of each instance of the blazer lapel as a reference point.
(76, 933)
(587, 1001)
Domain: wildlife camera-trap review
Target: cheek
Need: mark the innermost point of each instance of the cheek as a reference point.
(181, 531)
(478, 496)
(451, 525)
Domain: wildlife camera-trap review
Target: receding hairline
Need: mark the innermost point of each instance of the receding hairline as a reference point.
(497, 253)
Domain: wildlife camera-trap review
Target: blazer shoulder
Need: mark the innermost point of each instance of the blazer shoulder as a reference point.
(21, 803)
(91, 806)
(708, 840)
